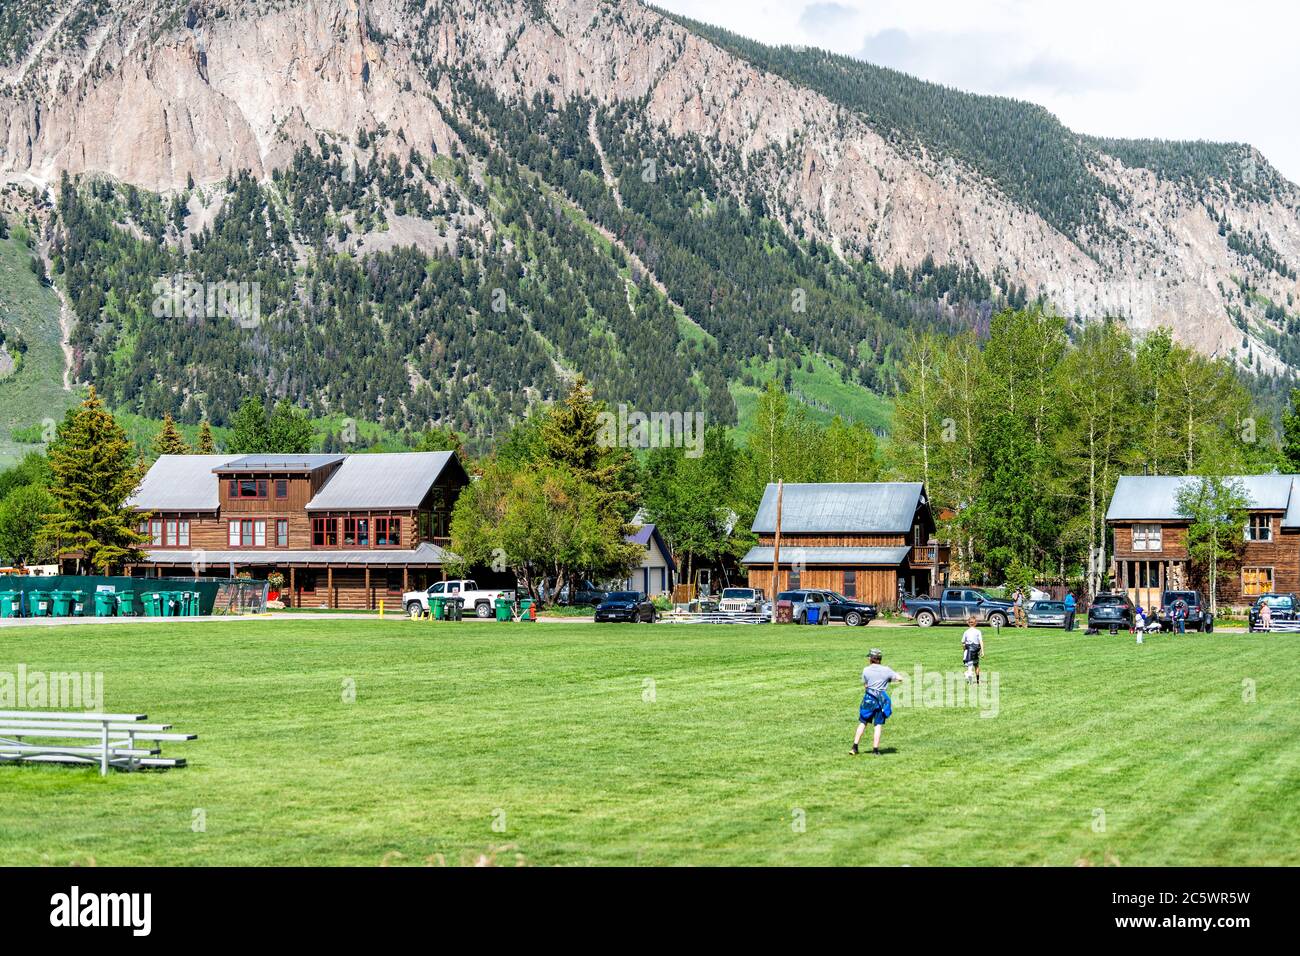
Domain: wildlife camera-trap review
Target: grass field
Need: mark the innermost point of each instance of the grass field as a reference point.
(623, 744)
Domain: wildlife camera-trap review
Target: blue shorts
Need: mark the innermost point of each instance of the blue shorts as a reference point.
(874, 710)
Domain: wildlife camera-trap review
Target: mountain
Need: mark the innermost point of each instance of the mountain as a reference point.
(449, 207)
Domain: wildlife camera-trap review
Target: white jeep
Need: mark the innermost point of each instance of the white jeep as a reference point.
(472, 600)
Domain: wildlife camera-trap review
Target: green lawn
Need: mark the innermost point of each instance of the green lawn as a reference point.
(1100, 750)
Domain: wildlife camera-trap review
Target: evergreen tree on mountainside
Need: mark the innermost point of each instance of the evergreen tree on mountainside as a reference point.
(207, 445)
(169, 440)
(250, 432)
(93, 473)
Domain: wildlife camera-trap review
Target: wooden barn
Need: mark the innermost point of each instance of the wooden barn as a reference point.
(346, 531)
(867, 540)
(1150, 549)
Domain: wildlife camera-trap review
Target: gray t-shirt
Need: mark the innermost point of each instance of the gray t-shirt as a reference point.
(877, 676)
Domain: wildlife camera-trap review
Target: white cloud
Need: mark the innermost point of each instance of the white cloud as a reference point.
(1143, 68)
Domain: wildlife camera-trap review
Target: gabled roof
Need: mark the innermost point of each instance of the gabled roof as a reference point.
(647, 533)
(283, 463)
(1155, 497)
(870, 557)
(383, 480)
(885, 507)
(180, 483)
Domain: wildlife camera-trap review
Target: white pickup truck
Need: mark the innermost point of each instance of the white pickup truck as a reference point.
(472, 600)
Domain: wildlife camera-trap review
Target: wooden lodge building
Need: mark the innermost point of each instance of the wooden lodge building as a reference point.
(868, 541)
(346, 531)
(1150, 549)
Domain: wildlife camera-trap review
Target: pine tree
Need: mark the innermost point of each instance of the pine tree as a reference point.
(289, 432)
(580, 435)
(169, 440)
(93, 475)
(1291, 435)
(207, 446)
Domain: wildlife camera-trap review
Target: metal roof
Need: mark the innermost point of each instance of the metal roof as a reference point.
(426, 553)
(180, 483)
(1155, 497)
(885, 507)
(884, 557)
(384, 480)
(280, 463)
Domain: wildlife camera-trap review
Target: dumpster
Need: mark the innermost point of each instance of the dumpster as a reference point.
(153, 603)
(438, 608)
(526, 610)
(11, 604)
(78, 603)
(60, 603)
(784, 612)
(127, 604)
(105, 603)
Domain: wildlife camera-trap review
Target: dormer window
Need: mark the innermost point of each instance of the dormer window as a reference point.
(1259, 528)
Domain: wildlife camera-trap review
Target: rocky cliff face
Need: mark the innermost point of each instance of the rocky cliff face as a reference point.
(154, 92)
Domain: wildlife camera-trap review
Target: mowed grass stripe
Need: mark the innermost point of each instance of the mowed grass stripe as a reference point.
(739, 758)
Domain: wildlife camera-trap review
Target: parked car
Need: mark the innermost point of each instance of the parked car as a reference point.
(741, 601)
(1046, 614)
(1284, 612)
(1198, 617)
(1110, 609)
(955, 605)
(480, 603)
(802, 600)
(585, 593)
(630, 606)
(852, 612)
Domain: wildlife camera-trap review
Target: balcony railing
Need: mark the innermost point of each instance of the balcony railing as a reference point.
(930, 555)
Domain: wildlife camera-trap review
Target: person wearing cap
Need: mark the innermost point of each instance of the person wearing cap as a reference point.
(876, 705)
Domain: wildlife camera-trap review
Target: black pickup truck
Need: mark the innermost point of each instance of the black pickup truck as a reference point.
(956, 605)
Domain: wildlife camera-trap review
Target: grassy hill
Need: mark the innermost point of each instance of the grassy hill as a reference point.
(35, 391)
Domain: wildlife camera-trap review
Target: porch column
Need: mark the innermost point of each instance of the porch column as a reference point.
(293, 589)
(329, 586)
(370, 597)
(406, 579)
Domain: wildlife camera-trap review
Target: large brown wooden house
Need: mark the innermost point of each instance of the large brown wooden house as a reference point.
(867, 540)
(1150, 550)
(346, 531)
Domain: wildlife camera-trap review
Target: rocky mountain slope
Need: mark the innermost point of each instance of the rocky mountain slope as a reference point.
(879, 202)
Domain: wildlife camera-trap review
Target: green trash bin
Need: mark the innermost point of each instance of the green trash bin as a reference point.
(503, 609)
(173, 603)
(437, 608)
(78, 604)
(182, 599)
(153, 604)
(196, 604)
(38, 603)
(105, 603)
(11, 604)
(60, 603)
(525, 609)
(128, 603)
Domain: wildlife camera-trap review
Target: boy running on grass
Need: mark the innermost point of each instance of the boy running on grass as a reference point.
(972, 645)
(876, 705)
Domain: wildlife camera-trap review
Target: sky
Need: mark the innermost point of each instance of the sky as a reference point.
(1226, 71)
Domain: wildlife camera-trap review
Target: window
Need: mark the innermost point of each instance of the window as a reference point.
(305, 581)
(388, 532)
(324, 532)
(247, 487)
(156, 532)
(850, 584)
(281, 488)
(1256, 581)
(281, 532)
(356, 532)
(1146, 537)
(1259, 528)
(171, 532)
(247, 534)
(259, 534)
(794, 579)
(394, 582)
(233, 539)
(183, 534)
